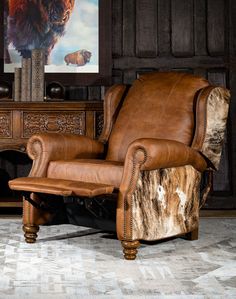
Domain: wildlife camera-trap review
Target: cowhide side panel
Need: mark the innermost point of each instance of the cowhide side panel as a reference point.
(165, 203)
(217, 112)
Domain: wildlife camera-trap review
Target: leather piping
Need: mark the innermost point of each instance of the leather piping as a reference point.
(201, 118)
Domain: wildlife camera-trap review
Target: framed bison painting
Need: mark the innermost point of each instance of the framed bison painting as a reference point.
(75, 36)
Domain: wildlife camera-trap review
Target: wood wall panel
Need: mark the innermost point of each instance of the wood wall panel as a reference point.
(190, 36)
(77, 93)
(216, 27)
(164, 36)
(201, 72)
(232, 84)
(217, 77)
(180, 35)
(200, 36)
(221, 178)
(232, 25)
(94, 93)
(146, 28)
(182, 28)
(232, 125)
(117, 28)
(129, 19)
(129, 76)
(117, 76)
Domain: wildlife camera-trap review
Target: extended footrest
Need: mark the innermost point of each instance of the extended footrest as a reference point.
(59, 187)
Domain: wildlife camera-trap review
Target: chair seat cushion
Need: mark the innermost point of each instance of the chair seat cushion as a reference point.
(59, 187)
(86, 170)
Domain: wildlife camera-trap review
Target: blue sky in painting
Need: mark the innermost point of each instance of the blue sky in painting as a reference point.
(81, 32)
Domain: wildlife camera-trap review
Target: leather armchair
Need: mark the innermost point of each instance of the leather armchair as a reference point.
(158, 138)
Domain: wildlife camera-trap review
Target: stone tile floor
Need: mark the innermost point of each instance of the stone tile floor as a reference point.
(71, 262)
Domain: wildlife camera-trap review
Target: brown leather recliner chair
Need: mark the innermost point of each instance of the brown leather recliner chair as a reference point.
(156, 142)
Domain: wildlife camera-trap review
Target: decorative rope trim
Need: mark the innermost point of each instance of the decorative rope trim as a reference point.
(135, 169)
(35, 155)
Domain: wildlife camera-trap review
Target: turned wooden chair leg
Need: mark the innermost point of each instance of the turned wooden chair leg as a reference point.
(193, 235)
(130, 249)
(30, 232)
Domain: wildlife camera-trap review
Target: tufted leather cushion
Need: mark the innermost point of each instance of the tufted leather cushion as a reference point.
(158, 105)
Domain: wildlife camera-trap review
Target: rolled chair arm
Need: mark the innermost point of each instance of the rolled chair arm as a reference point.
(45, 147)
(150, 154)
(160, 153)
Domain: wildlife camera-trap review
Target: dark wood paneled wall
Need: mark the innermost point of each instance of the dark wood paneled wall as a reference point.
(196, 36)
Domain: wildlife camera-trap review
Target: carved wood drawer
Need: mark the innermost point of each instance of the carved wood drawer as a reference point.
(52, 122)
(21, 120)
(5, 124)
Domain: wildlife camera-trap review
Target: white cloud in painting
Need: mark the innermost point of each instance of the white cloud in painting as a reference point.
(81, 33)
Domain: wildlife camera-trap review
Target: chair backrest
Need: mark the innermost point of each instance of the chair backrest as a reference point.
(158, 105)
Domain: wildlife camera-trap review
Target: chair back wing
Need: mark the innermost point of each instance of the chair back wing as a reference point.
(211, 118)
(112, 103)
(158, 105)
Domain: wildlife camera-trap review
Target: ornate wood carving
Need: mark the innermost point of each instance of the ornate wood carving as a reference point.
(5, 125)
(19, 120)
(56, 122)
(99, 123)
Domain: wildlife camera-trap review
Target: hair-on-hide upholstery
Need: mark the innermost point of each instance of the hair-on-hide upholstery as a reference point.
(158, 138)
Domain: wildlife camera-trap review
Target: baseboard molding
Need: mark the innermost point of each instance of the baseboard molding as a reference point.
(218, 213)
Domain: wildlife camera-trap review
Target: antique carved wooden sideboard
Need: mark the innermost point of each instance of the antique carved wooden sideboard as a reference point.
(20, 120)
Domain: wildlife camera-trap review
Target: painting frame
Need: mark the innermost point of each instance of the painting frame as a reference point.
(103, 77)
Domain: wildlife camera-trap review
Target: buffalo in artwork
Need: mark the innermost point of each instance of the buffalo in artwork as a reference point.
(80, 57)
(35, 24)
